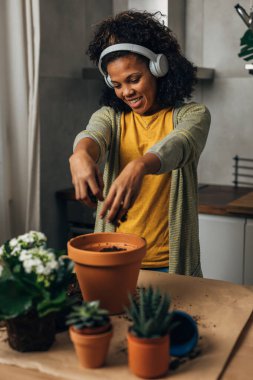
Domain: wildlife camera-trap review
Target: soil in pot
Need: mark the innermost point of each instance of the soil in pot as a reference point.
(112, 249)
(29, 333)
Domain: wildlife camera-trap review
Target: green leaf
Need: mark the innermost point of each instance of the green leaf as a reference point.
(29, 282)
(247, 46)
(247, 38)
(14, 299)
(47, 306)
(6, 274)
(150, 316)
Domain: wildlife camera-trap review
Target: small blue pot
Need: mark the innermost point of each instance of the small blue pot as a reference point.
(184, 337)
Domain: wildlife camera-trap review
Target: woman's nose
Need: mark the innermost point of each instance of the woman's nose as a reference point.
(128, 91)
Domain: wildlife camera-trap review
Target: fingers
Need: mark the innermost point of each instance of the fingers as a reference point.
(84, 194)
(77, 192)
(120, 217)
(128, 201)
(120, 198)
(90, 189)
(86, 178)
(112, 203)
(116, 208)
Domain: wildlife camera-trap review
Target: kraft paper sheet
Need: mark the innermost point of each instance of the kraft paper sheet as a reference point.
(221, 310)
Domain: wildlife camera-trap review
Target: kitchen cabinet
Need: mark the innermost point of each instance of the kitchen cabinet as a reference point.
(226, 245)
(222, 247)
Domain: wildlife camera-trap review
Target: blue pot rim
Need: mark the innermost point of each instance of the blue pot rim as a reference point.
(185, 348)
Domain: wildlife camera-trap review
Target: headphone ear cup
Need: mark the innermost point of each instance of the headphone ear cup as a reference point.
(152, 68)
(159, 67)
(108, 81)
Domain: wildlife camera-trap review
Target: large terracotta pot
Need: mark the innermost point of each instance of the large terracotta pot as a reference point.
(107, 276)
(148, 358)
(91, 348)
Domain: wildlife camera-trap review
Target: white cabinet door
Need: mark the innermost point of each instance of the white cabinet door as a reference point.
(248, 264)
(222, 247)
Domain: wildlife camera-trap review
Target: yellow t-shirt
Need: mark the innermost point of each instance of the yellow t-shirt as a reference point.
(148, 217)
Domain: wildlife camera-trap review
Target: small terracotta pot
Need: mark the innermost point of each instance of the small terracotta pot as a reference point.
(107, 276)
(148, 358)
(91, 350)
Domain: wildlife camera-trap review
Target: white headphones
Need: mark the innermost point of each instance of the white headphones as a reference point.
(158, 63)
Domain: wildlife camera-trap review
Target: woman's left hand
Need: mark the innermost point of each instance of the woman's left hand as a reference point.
(123, 192)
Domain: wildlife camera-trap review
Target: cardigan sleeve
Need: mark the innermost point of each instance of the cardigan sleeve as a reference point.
(98, 129)
(186, 142)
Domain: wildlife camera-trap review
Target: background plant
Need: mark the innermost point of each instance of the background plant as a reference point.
(32, 276)
(247, 46)
(88, 314)
(150, 313)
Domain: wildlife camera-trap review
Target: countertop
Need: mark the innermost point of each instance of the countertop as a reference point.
(218, 200)
(213, 199)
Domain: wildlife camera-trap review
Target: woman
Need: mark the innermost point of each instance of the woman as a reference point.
(149, 139)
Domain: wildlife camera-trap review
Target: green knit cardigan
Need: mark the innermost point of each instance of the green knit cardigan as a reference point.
(179, 153)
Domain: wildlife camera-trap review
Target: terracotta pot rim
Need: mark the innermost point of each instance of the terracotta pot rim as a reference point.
(110, 234)
(113, 237)
(78, 338)
(93, 330)
(147, 340)
(135, 249)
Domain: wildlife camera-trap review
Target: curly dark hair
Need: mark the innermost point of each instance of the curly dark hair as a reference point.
(144, 28)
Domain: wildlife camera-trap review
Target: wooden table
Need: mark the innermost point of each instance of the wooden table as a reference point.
(223, 309)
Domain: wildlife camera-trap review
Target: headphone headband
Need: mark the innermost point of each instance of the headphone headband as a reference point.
(132, 48)
(158, 63)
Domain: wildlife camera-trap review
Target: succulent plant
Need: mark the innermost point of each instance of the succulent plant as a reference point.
(150, 314)
(86, 315)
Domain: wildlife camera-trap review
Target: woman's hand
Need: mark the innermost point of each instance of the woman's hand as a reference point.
(124, 191)
(126, 187)
(86, 178)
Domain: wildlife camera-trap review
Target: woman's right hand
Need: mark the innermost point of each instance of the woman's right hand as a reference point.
(86, 178)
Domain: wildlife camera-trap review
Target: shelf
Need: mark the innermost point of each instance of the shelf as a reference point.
(249, 67)
(204, 73)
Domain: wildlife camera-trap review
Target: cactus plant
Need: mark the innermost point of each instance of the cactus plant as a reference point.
(87, 315)
(148, 337)
(150, 314)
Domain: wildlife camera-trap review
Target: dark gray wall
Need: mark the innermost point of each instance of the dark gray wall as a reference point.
(66, 99)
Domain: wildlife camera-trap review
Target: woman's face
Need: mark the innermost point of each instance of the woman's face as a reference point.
(134, 83)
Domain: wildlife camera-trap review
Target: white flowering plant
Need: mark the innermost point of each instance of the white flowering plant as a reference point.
(32, 276)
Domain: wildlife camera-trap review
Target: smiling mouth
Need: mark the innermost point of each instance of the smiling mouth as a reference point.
(133, 101)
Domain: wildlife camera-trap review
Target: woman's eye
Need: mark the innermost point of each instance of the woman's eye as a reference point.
(136, 80)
